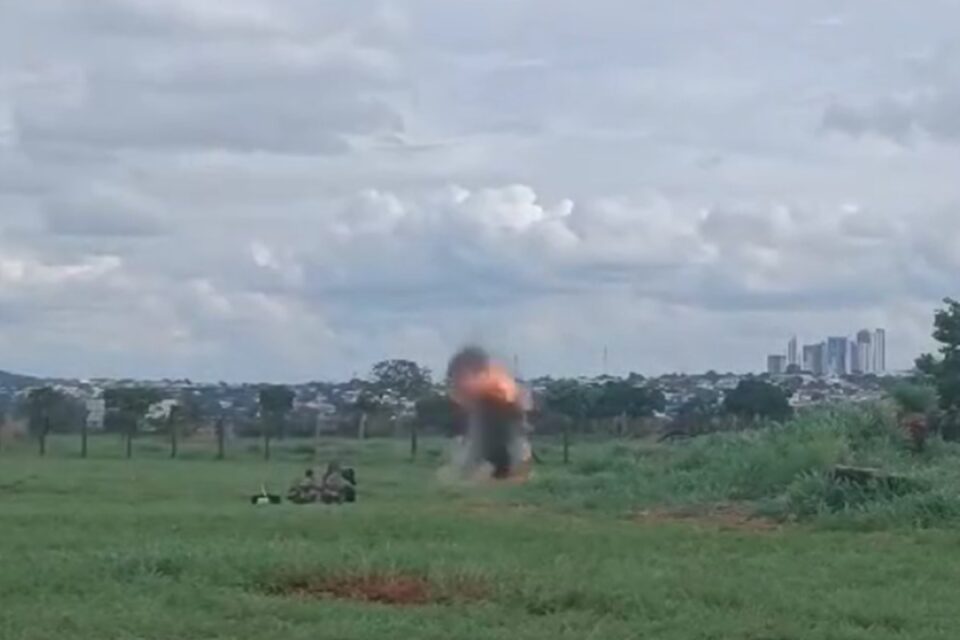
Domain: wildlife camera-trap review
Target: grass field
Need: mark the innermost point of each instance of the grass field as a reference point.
(152, 548)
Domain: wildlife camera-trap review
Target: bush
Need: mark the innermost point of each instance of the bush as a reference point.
(816, 494)
(784, 470)
(914, 398)
(755, 399)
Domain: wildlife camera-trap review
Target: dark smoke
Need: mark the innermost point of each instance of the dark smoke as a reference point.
(492, 426)
(471, 359)
(495, 436)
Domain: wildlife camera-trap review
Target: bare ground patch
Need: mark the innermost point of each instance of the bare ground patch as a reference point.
(726, 517)
(399, 590)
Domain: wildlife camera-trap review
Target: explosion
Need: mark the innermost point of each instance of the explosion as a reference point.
(495, 407)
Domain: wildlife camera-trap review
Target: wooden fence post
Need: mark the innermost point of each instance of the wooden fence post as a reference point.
(414, 440)
(43, 435)
(174, 436)
(220, 437)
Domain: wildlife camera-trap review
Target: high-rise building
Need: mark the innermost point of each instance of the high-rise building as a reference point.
(814, 359)
(776, 364)
(792, 355)
(880, 351)
(856, 366)
(865, 352)
(837, 352)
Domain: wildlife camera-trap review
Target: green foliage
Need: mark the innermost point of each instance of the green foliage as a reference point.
(945, 370)
(437, 411)
(133, 401)
(368, 401)
(622, 398)
(875, 505)
(126, 408)
(779, 469)
(402, 378)
(614, 398)
(47, 408)
(915, 398)
(190, 411)
(755, 399)
(698, 415)
(276, 400)
(569, 398)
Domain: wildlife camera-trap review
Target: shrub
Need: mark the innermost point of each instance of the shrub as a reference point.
(787, 470)
(918, 430)
(820, 493)
(914, 398)
(754, 399)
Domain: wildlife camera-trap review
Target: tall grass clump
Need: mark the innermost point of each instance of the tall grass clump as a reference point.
(782, 469)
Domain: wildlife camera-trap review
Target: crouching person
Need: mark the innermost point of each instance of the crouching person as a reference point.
(305, 490)
(339, 485)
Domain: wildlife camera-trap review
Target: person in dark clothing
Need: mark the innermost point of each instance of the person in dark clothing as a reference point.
(339, 485)
(305, 490)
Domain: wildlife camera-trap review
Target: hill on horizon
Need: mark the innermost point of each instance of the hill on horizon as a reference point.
(16, 380)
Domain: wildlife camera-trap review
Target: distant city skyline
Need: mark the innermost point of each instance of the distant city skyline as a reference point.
(864, 353)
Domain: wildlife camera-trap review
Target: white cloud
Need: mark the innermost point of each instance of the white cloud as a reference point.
(22, 272)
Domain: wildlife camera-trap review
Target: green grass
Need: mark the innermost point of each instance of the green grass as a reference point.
(152, 548)
(781, 471)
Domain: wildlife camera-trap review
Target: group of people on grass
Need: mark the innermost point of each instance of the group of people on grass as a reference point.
(337, 485)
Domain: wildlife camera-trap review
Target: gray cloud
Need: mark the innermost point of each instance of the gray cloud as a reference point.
(194, 82)
(935, 116)
(926, 105)
(102, 213)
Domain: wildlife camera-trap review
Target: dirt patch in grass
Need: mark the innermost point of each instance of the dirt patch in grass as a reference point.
(493, 508)
(726, 517)
(390, 589)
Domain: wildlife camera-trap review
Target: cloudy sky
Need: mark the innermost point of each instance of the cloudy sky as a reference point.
(291, 189)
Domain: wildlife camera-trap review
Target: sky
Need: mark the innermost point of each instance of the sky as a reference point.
(292, 189)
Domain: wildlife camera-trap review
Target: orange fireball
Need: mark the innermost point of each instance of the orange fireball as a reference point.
(490, 383)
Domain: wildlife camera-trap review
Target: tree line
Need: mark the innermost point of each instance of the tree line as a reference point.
(398, 396)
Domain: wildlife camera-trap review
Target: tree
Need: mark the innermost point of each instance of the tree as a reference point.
(944, 371)
(4, 408)
(220, 428)
(914, 398)
(367, 402)
(126, 407)
(174, 423)
(619, 398)
(755, 399)
(574, 401)
(436, 411)
(182, 418)
(191, 412)
(570, 398)
(404, 380)
(697, 415)
(401, 378)
(41, 402)
(50, 410)
(276, 401)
